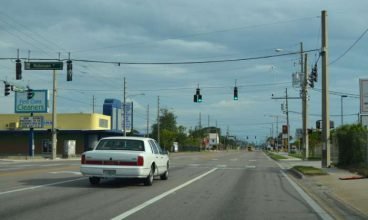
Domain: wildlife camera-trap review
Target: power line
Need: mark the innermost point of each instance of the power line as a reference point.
(192, 62)
(338, 93)
(342, 55)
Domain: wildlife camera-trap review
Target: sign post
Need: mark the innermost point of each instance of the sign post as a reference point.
(49, 66)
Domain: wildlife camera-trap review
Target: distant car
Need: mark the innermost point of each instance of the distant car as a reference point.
(125, 157)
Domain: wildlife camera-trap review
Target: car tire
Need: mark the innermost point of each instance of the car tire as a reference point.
(165, 175)
(94, 180)
(149, 179)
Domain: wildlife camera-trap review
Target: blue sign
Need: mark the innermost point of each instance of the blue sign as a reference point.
(128, 120)
(38, 103)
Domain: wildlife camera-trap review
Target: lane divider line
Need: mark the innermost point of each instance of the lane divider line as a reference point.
(159, 197)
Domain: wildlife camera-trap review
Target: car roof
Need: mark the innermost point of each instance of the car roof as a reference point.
(127, 138)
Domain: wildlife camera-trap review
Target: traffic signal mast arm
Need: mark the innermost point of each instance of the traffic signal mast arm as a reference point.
(8, 87)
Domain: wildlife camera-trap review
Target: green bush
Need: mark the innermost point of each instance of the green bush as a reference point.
(352, 141)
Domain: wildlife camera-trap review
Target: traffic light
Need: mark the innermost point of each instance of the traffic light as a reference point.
(30, 93)
(69, 70)
(313, 77)
(236, 93)
(7, 89)
(315, 73)
(284, 129)
(311, 82)
(197, 97)
(18, 69)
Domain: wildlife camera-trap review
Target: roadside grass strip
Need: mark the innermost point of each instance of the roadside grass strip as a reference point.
(276, 156)
(310, 171)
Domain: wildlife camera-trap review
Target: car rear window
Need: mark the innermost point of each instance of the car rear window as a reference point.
(119, 144)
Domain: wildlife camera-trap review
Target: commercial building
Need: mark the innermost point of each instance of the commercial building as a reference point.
(81, 130)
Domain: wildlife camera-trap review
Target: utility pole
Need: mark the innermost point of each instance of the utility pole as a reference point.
(286, 97)
(54, 117)
(158, 119)
(326, 150)
(147, 121)
(93, 104)
(208, 125)
(305, 108)
(342, 109)
(287, 121)
(200, 121)
(124, 106)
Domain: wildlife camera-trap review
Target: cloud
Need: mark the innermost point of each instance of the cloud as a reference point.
(174, 31)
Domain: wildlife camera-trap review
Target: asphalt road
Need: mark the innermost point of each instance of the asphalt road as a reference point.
(208, 185)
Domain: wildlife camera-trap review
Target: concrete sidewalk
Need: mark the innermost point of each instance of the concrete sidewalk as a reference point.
(353, 194)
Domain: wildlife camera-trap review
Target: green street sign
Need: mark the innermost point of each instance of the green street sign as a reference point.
(43, 65)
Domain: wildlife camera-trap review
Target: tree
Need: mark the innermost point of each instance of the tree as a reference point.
(314, 139)
(168, 129)
(352, 141)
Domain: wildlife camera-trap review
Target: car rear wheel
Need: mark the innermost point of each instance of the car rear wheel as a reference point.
(94, 180)
(149, 179)
(165, 175)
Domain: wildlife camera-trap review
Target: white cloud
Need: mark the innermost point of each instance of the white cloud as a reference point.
(171, 31)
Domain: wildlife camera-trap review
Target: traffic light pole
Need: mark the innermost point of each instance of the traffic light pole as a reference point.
(54, 117)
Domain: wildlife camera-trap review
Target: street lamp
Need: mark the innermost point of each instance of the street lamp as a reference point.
(342, 109)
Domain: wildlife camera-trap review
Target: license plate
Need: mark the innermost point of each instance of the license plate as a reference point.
(109, 172)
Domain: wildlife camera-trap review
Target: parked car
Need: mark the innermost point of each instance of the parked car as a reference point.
(125, 157)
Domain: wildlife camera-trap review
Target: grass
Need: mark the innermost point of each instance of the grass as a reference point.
(276, 156)
(308, 170)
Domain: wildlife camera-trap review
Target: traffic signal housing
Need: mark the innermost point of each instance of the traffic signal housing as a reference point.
(30, 93)
(18, 69)
(197, 96)
(236, 93)
(7, 89)
(313, 77)
(69, 70)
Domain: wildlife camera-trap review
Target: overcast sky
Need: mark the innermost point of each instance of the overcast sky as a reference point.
(157, 31)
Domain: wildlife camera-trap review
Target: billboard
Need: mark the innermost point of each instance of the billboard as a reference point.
(38, 103)
(363, 84)
(128, 119)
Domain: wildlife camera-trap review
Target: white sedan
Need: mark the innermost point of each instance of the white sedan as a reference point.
(125, 157)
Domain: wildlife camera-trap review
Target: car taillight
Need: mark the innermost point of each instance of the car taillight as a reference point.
(140, 161)
(83, 159)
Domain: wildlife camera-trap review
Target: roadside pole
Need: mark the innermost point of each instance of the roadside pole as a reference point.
(286, 97)
(124, 107)
(326, 151)
(31, 140)
(305, 108)
(51, 66)
(54, 117)
(287, 121)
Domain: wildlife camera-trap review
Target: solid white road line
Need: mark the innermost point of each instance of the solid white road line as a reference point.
(159, 197)
(322, 213)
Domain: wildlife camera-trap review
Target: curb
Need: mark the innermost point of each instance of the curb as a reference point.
(295, 173)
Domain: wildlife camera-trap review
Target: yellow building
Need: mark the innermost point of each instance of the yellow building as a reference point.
(85, 129)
